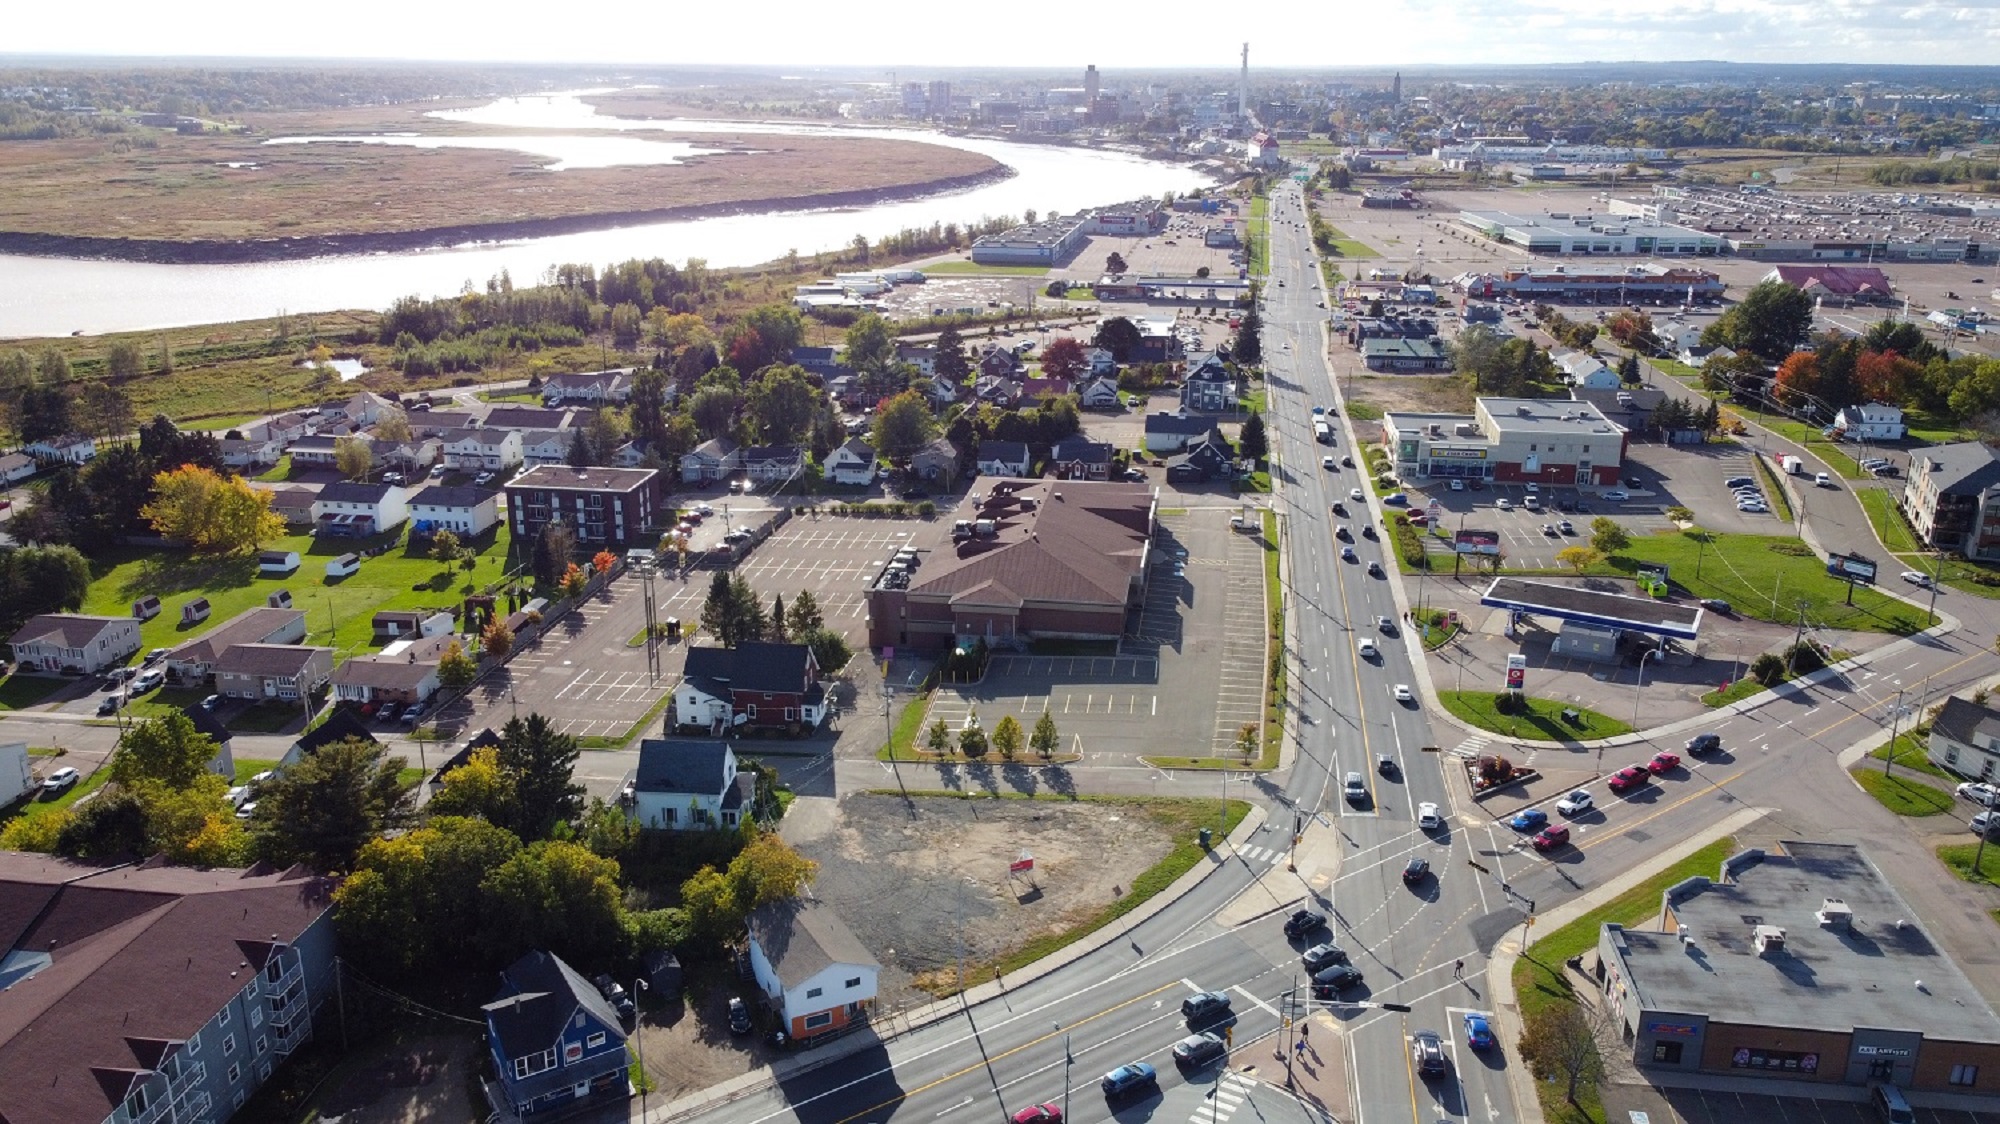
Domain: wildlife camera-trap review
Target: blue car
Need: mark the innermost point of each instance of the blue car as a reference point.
(1478, 1035)
(1396, 499)
(1529, 819)
(1129, 1078)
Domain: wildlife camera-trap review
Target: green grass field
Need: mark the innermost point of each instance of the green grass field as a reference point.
(1909, 754)
(1260, 236)
(1741, 689)
(1887, 520)
(971, 267)
(19, 692)
(338, 611)
(1764, 583)
(1544, 718)
(1959, 857)
(1674, 368)
(1901, 793)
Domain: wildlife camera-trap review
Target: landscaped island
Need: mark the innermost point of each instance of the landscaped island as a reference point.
(231, 197)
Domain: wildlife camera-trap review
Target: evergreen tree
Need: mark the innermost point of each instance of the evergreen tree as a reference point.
(1254, 442)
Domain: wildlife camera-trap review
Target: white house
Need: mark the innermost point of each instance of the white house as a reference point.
(312, 451)
(494, 449)
(851, 464)
(1965, 738)
(272, 671)
(1579, 365)
(922, 356)
(462, 510)
(1002, 458)
(1101, 361)
(257, 452)
(195, 660)
(815, 972)
(70, 448)
(710, 461)
(347, 508)
(544, 446)
(16, 467)
(55, 641)
(1874, 422)
(772, 464)
(594, 388)
(1098, 394)
(365, 408)
(404, 672)
(689, 784)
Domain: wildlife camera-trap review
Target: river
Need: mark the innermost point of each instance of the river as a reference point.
(58, 296)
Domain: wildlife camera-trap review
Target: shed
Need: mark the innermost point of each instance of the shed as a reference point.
(277, 563)
(146, 608)
(195, 611)
(663, 974)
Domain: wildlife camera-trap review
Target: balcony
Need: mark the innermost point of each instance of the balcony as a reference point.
(290, 1036)
(190, 1076)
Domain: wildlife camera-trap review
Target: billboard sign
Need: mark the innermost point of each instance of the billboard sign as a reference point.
(1517, 672)
(1850, 567)
(1476, 542)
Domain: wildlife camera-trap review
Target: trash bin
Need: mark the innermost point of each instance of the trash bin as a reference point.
(1207, 837)
(1572, 717)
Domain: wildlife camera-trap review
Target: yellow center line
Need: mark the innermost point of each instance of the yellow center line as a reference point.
(1614, 832)
(987, 1061)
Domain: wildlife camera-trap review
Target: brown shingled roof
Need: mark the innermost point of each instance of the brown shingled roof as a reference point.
(1081, 548)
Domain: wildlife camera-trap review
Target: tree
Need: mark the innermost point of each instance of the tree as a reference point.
(1578, 558)
(1248, 346)
(414, 903)
(949, 362)
(541, 760)
(1768, 668)
(324, 809)
(497, 639)
(43, 579)
(1007, 737)
(871, 345)
(113, 825)
(903, 425)
(393, 426)
(479, 787)
(1798, 382)
(938, 738)
(1629, 372)
(213, 515)
(713, 410)
(731, 612)
(781, 404)
(575, 581)
(804, 615)
(972, 741)
(1771, 320)
(1254, 443)
(768, 870)
(649, 407)
(455, 668)
(1044, 739)
(580, 453)
(766, 335)
(1246, 739)
(1119, 336)
(125, 361)
(353, 456)
(553, 548)
(103, 410)
(167, 750)
(780, 627)
(446, 547)
(1630, 329)
(829, 648)
(193, 824)
(555, 894)
(602, 561)
(1607, 537)
(1560, 1041)
(1114, 262)
(1680, 514)
(1064, 359)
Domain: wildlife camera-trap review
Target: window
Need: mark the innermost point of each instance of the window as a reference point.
(750, 712)
(223, 1018)
(854, 983)
(572, 1053)
(256, 1017)
(813, 993)
(1964, 1075)
(262, 1045)
(527, 1065)
(194, 1044)
(667, 816)
(228, 1044)
(264, 1072)
(824, 1018)
(235, 1073)
(237, 1100)
(595, 1040)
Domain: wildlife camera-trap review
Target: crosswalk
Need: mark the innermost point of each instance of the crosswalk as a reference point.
(1230, 1093)
(1471, 747)
(1266, 855)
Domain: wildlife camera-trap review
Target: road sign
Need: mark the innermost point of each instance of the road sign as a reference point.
(1517, 672)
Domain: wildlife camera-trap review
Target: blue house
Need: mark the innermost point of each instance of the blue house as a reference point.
(556, 1043)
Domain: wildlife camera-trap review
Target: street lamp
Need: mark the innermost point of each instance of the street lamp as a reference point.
(638, 1037)
(1895, 715)
(1068, 1060)
(1640, 685)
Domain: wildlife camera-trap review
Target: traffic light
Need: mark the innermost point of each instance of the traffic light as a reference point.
(1403, 1007)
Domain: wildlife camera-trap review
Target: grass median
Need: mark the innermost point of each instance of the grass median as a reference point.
(1765, 577)
(1544, 718)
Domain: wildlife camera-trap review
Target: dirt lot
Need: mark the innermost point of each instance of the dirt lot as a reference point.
(937, 877)
(407, 1082)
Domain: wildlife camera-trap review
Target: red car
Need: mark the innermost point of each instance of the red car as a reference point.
(1628, 778)
(1039, 1114)
(1664, 763)
(1419, 519)
(1551, 837)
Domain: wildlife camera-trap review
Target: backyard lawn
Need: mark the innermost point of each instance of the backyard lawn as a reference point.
(338, 611)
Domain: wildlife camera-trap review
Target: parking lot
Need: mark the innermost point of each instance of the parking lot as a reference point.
(1724, 1106)
(1188, 673)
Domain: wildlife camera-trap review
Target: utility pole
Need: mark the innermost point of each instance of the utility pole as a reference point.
(1889, 760)
(1798, 637)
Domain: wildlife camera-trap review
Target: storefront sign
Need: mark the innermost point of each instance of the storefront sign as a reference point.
(1438, 452)
(1517, 673)
(1677, 1030)
(1748, 1058)
(1883, 1051)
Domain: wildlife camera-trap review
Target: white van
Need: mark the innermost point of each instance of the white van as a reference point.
(345, 566)
(1891, 1104)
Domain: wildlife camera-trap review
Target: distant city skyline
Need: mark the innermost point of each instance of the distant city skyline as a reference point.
(907, 36)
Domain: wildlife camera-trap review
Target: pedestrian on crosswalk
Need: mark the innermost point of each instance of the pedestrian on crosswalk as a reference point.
(1458, 970)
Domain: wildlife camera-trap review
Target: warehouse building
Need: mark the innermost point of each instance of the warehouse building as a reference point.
(1043, 243)
(1562, 232)
(1552, 442)
(1806, 965)
(1638, 284)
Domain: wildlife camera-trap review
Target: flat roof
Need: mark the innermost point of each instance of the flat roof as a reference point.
(1587, 225)
(1592, 607)
(563, 478)
(1825, 977)
(1545, 415)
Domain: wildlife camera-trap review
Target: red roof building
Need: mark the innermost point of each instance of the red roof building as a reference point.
(1843, 284)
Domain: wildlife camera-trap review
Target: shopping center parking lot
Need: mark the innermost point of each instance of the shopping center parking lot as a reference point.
(1188, 673)
(1721, 1106)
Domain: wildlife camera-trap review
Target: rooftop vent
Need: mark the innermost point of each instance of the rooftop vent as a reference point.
(1769, 940)
(1835, 914)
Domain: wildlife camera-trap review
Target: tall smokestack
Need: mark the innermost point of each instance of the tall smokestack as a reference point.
(1243, 85)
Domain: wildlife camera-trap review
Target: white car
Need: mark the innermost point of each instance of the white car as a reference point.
(482, 479)
(1979, 793)
(1917, 578)
(1428, 818)
(1617, 495)
(1401, 692)
(1354, 494)
(1576, 801)
(1367, 649)
(1504, 504)
(1326, 463)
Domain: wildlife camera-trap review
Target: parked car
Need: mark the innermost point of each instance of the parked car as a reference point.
(212, 703)
(155, 656)
(109, 705)
(1504, 504)
(1199, 1049)
(1566, 527)
(415, 711)
(1979, 793)
(59, 782)
(483, 479)
(1551, 837)
(1617, 495)
(1129, 1078)
(388, 712)
(1716, 605)
(1304, 921)
(739, 1015)
(1203, 1006)
(1576, 802)
(1630, 777)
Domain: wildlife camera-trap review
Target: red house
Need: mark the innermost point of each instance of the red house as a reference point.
(751, 687)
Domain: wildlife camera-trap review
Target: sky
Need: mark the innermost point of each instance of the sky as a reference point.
(908, 34)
